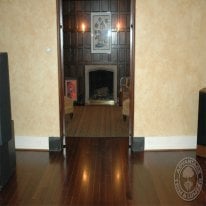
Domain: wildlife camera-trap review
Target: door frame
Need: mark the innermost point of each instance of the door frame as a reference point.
(60, 51)
(60, 54)
(132, 69)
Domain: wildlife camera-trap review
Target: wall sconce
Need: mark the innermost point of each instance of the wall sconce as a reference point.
(118, 26)
(83, 27)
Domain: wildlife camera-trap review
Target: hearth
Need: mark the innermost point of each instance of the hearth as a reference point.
(100, 84)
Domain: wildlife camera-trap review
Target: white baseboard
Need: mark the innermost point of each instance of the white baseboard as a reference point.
(151, 143)
(31, 143)
(170, 143)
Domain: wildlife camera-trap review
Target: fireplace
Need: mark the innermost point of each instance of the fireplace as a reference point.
(100, 84)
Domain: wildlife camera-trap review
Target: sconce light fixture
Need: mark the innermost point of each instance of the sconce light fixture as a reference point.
(83, 27)
(118, 26)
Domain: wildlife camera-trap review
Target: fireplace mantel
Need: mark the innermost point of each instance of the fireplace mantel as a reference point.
(89, 68)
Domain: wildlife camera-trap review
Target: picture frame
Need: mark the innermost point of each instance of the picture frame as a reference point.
(101, 32)
(71, 89)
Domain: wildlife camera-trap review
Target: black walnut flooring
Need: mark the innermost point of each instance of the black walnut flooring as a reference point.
(97, 121)
(97, 171)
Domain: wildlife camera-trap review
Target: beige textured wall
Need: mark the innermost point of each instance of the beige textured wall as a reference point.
(27, 29)
(170, 66)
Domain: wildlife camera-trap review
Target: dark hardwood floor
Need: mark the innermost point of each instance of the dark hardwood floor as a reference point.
(97, 121)
(97, 171)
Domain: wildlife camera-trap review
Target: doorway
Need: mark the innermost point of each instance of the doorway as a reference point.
(76, 47)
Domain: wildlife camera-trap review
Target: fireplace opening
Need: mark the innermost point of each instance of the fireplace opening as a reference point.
(101, 85)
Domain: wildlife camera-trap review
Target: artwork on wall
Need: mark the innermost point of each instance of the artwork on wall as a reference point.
(71, 89)
(101, 32)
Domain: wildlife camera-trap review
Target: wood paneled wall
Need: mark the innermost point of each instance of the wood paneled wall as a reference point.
(77, 45)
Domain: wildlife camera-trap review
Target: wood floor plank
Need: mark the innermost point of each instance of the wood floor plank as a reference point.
(97, 171)
(97, 121)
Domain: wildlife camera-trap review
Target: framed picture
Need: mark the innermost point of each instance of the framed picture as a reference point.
(71, 89)
(101, 32)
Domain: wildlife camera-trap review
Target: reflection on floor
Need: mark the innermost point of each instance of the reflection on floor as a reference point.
(97, 171)
(97, 121)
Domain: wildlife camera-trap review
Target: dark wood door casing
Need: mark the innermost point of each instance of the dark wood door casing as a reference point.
(60, 53)
(132, 68)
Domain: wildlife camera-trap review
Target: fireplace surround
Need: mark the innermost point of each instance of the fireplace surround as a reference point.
(92, 68)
